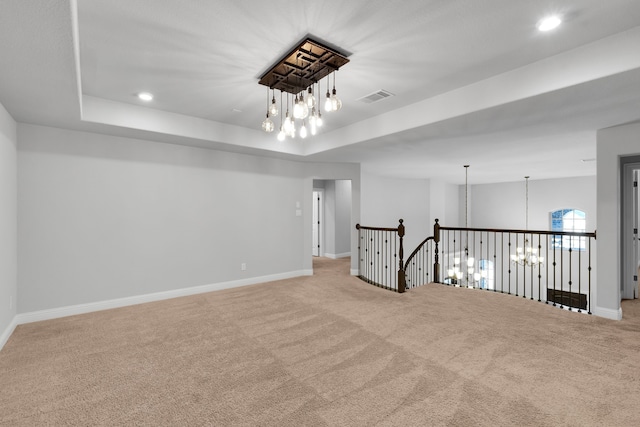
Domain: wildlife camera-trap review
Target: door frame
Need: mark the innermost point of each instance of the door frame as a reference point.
(628, 224)
(320, 213)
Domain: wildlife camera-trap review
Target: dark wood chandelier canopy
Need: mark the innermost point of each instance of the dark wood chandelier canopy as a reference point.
(305, 64)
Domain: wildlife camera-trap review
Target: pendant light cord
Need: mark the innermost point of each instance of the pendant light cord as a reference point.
(466, 208)
(466, 195)
(526, 204)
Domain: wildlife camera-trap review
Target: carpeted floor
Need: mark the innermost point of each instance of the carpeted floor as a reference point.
(326, 350)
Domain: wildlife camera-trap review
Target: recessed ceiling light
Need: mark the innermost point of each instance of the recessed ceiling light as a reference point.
(549, 23)
(145, 96)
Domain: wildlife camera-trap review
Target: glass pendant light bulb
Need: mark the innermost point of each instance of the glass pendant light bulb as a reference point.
(297, 108)
(300, 109)
(319, 120)
(267, 125)
(273, 108)
(327, 102)
(303, 131)
(288, 123)
(312, 121)
(281, 134)
(304, 110)
(311, 100)
(336, 104)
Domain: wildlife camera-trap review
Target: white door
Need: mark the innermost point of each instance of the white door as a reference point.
(629, 275)
(316, 222)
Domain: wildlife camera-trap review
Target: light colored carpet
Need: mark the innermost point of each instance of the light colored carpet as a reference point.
(326, 350)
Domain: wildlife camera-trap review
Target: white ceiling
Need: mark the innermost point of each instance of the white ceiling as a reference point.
(474, 82)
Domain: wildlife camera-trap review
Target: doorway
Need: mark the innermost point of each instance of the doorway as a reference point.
(630, 250)
(331, 226)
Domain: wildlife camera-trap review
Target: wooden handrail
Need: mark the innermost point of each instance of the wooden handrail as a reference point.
(510, 230)
(415, 251)
(364, 227)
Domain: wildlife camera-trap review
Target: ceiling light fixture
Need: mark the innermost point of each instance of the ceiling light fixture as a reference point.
(267, 124)
(549, 23)
(145, 96)
(300, 70)
(273, 108)
(527, 255)
(456, 275)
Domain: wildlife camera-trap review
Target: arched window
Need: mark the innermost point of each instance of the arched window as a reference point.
(569, 220)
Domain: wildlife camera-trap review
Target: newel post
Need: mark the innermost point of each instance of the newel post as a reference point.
(436, 264)
(401, 278)
(359, 250)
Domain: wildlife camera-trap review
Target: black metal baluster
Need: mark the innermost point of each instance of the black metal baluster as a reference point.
(395, 260)
(517, 269)
(530, 273)
(539, 266)
(495, 259)
(579, 276)
(555, 273)
(562, 275)
(570, 271)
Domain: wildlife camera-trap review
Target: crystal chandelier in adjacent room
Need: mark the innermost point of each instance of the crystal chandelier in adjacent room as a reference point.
(527, 255)
(298, 75)
(464, 270)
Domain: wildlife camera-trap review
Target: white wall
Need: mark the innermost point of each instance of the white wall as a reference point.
(386, 200)
(502, 205)
(343, 217)
(106, 218)
(612, 143)
(8, 225)
(444, 203)
(329, 229)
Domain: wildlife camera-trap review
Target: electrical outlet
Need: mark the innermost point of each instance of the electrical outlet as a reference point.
(243, 266)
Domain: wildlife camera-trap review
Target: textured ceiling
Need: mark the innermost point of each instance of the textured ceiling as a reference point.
(474, 82)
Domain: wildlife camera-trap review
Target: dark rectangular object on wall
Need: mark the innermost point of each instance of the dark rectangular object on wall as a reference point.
(570, 299)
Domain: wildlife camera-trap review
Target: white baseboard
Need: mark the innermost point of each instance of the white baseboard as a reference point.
(608, 313)
(7, 332)
(336, 256)
(54, 313)
(355, 272)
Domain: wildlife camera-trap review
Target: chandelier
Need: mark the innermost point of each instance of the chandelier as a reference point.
(527, 255)
(298, 75)
(458, 275)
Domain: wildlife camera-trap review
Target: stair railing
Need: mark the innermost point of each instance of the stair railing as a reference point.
(555, 267)
(380, 249)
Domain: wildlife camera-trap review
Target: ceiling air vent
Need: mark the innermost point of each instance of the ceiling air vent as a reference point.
(376, 96)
